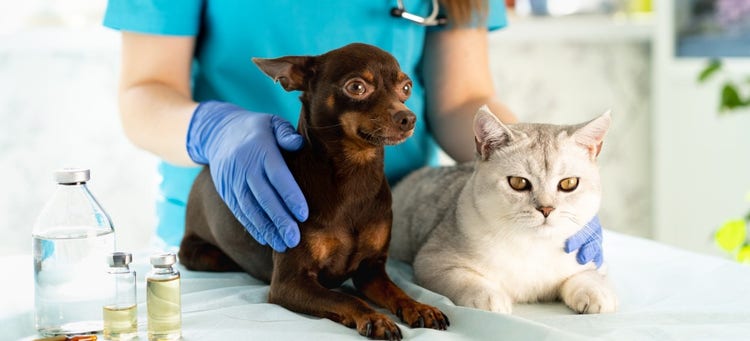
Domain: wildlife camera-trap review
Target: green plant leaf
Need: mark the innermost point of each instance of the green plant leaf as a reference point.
(730, 97)
(743, 256)
(710, 69)
(731, 235)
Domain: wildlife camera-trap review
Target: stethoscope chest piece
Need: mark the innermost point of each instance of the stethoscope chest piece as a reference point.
(432, 20)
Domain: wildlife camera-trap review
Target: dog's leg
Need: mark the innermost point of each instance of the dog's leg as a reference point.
(198, 254)
(372, 280)
(303, 293)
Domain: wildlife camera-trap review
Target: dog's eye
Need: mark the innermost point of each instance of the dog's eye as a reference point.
(407, 89)
(356, 88)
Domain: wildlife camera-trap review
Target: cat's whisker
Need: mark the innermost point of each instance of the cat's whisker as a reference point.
(590, 232)
(572, 217)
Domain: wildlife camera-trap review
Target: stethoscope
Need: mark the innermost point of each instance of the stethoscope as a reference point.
(432, 20)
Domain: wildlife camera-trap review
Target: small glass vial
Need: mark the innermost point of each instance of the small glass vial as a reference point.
(120, 311)
(163, 298)
(70, 240)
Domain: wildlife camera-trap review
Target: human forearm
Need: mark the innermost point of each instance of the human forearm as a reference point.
(155, 117)
(458, 82)
(454, 132)
(155, 99)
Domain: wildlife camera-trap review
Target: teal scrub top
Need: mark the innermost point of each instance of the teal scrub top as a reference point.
(231, 32)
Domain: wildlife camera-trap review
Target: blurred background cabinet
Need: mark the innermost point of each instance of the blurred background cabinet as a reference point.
(701, 159)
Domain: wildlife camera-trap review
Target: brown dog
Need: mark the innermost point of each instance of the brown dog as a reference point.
(352, 105)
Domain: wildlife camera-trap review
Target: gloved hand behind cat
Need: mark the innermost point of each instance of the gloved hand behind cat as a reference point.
(588, 242)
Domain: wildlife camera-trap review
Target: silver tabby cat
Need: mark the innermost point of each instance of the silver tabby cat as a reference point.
(490, 233)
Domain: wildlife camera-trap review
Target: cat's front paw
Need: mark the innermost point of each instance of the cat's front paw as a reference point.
(482, 298)
(592, 300)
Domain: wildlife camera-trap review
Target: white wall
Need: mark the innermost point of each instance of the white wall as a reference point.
(58, 83)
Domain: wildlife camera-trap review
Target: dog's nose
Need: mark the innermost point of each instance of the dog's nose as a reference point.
(404, 120)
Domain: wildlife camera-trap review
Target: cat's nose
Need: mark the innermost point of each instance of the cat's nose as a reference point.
(546, 210)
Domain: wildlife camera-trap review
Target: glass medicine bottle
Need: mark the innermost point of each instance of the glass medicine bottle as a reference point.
(70, 240)
(163, 298)
(120, 312)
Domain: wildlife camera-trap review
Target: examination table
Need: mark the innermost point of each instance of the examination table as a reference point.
(665, 294)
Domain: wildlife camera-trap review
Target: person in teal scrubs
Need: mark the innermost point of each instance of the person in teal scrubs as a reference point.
(190, 94)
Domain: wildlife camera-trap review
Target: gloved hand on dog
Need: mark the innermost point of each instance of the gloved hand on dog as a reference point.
(242, 151)
(588, 242)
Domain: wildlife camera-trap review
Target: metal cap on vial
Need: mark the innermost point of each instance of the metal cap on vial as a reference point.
(72, 175)
(163, 259)
(117, 259)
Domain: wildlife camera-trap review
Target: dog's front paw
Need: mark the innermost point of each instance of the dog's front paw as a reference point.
(418, 315)
(592, 300)
(378, 327)
(483, 298)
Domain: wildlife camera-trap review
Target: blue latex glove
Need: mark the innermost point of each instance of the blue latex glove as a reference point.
(588, 242)
(242, 151)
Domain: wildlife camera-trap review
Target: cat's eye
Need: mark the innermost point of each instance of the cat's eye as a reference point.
(518, 183)
(568, 184)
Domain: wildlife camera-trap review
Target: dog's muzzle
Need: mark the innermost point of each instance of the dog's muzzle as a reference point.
(404, 120)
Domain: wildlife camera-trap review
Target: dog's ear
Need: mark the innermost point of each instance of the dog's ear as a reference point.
(290, 71)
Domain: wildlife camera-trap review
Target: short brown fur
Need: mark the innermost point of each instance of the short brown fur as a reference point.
(340, 172)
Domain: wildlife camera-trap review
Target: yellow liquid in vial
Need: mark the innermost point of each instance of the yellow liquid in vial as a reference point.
(120, 323)
(164, 314)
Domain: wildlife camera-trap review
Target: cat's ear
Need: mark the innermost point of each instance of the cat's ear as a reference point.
(591, 134)
(489, 132)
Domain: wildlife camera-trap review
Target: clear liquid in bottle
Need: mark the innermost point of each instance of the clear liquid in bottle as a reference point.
(69, 281)
(70, 241)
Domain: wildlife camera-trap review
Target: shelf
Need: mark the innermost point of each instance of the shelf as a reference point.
(585, 28)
